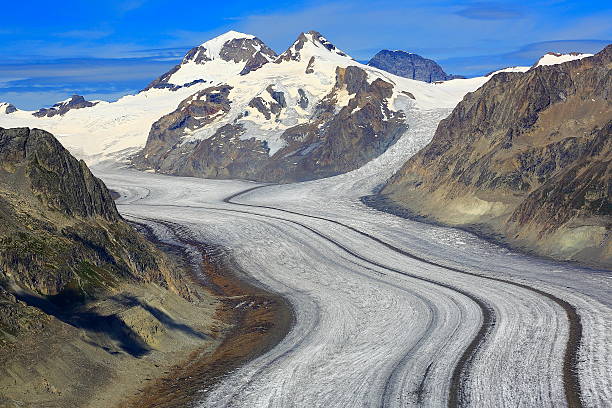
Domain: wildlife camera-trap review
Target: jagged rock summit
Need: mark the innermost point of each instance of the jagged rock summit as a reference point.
(310, 45)
(409, 65)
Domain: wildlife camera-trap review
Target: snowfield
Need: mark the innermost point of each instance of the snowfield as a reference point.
(389, 312)
(108, 130)
(554, 58)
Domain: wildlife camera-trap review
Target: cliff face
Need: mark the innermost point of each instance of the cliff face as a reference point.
(62, 238)
(410, 65)
(526, 156)
(333, 141)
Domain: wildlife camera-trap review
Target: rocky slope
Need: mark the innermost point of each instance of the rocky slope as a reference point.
(60, 223)
(527, 156)
(409, 65)
(86, 302)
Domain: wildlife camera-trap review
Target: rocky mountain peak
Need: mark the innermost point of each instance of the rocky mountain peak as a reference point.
(231, 46)
(309, 45)
(60, 108)
(58, 180)
(409, 65)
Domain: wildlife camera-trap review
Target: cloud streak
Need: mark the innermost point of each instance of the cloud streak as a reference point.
(490, 11)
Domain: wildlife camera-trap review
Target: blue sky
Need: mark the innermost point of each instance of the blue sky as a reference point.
(105, 49)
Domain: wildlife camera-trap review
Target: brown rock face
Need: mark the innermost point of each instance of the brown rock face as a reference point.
(194, 112)
(527, 156)
(332, 142)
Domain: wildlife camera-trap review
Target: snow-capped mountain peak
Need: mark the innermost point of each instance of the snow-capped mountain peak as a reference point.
(219, 40)
(217, 60)
(311, 45)
(214, 48)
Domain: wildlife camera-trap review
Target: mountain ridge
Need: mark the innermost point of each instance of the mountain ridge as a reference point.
(527, 156)
(278, 101)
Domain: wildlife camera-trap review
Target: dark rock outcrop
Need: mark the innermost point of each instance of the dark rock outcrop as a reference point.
(303, 101)
(62, 236)
(60, 108)
(410, 65)
(335, 140)
(252, 51)
(527, 156)
(193, 113)
(7, 108)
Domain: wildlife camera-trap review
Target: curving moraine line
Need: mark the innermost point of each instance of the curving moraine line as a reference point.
(571, 380)
(179, 230)
(457, 380)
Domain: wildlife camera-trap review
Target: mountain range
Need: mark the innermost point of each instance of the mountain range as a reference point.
(233, 108)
